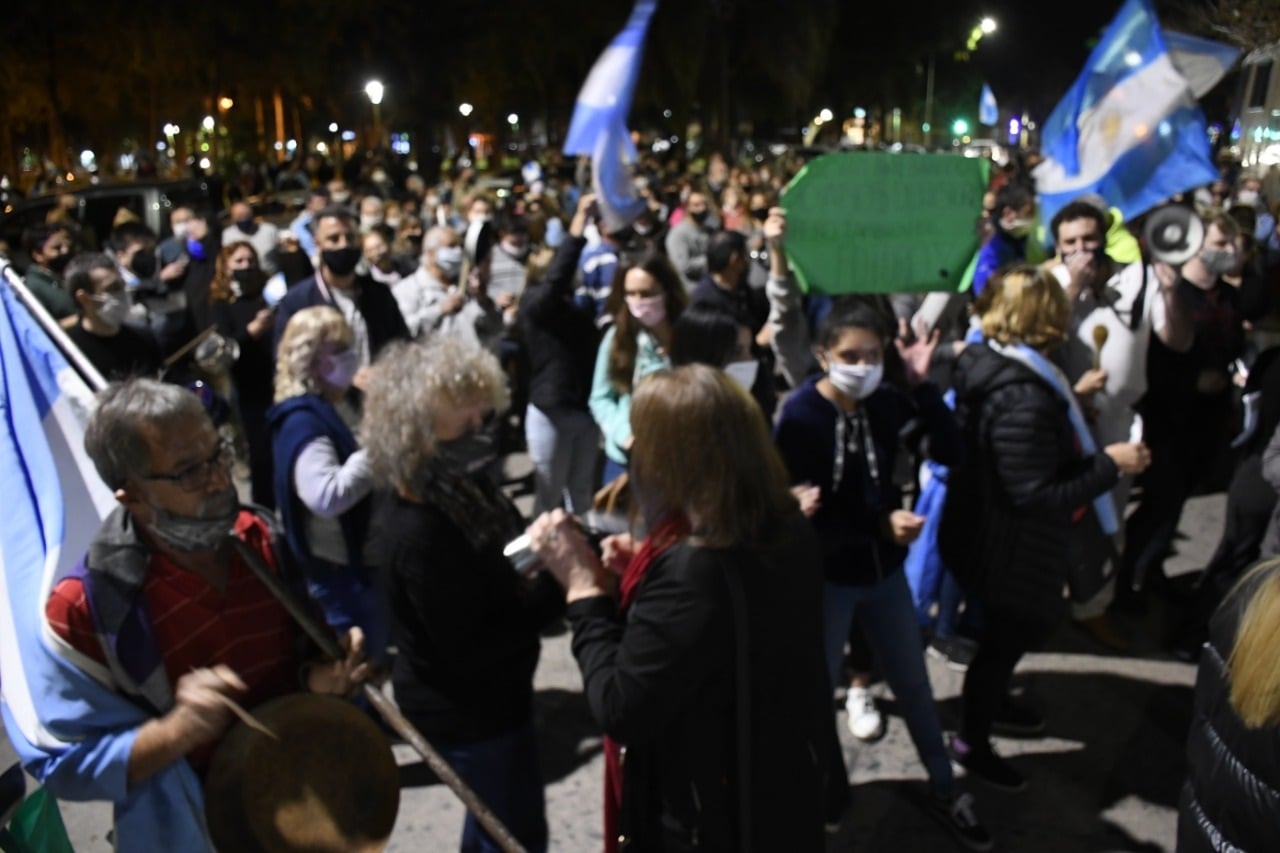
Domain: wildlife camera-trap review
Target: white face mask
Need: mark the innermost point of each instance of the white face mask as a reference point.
(181, 229)
(112, 308)
(368, 221)
(858, 381)
(743, 372)
(449, 259)
(1249, 198)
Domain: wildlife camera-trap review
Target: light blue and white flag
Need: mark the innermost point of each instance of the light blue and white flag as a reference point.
(599, 125)
(54, 500)
(71, 730)
(1129, 129)
(1201, 61)
(988, 110)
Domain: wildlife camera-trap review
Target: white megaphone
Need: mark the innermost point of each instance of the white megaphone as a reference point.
(1173, 234)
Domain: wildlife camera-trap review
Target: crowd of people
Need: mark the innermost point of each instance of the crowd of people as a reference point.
(816, 488)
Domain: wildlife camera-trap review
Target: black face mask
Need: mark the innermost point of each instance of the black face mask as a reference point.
(143, 263)
(248, 226)
(58, 263)
(468, 453)
(250, 279)
(699, 217)
(341, 261)
(760, 214)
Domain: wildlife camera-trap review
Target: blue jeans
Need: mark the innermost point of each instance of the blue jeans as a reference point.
(888, 619)
(563, 447)
(504, 773)
(612, 471)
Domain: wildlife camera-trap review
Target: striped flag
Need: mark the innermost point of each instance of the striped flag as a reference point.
(71, 730)
(599, 126)
(988, 111)
(1129, 129)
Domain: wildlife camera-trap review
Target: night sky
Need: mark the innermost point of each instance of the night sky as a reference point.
(117, 70)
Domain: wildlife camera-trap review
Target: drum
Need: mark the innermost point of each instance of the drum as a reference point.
(326, 782)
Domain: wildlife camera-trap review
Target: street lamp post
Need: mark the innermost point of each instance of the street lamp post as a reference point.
(985, 27)
(374, 89)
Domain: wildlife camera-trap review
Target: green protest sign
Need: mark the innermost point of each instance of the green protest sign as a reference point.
(876, 222)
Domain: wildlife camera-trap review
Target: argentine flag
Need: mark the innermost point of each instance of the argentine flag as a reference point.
(71, 731)
(988, 111)
(599, 126)
(1129, 128)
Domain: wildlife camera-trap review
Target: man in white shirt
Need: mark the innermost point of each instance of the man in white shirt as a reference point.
(1130, 303)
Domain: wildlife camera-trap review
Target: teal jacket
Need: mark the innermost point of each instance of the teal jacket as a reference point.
(610, 407)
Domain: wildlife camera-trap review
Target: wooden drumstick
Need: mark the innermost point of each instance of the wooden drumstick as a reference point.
(1099, 338)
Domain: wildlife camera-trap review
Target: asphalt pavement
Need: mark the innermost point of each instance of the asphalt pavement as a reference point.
(1105, 778)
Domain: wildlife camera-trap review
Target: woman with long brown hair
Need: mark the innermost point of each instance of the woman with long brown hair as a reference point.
(645, 302)
(707, 667)
(240, 313)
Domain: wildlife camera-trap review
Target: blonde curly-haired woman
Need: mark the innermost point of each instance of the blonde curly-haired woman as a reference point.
(322, 481)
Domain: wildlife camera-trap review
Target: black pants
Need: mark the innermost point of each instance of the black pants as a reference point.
(1250, 502)
(1183, 454)
(1007, 635)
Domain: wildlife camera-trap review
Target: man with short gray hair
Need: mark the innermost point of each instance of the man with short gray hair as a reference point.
(164, 610)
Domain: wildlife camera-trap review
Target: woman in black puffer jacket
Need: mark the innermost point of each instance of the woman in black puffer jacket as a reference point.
(1030, 466)
(1231, 800)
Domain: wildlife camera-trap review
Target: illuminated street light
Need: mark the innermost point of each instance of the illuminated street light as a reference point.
(465, 109)
(225, 103)
(826, 115)
(374, 89)
(207, 123)
(513, 119)
(960, 127)
(333, 127)
(988, 26)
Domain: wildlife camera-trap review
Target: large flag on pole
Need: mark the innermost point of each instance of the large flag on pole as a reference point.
(54, 500)
(71, 730)
(1129, 129)
(599, 126)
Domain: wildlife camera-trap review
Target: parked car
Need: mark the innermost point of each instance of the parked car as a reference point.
(96, 208)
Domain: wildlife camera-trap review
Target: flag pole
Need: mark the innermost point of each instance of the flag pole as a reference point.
(92, 377)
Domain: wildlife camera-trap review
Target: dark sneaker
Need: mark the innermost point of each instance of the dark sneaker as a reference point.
(957, 815)
(957, 652)
(1017, 720)
(986, 765)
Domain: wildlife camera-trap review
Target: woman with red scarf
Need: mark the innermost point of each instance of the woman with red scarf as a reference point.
(707, 670)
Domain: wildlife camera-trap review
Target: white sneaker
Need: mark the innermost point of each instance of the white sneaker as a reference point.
(865, 721)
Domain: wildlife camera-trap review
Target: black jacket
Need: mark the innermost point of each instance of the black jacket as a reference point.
(851, 519)
(1007, 518)
(1231, 799)
(381, 313)
(661, 682)
(559, 335)
(466, 625)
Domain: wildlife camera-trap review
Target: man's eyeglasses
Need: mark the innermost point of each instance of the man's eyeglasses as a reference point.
(195, 477)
